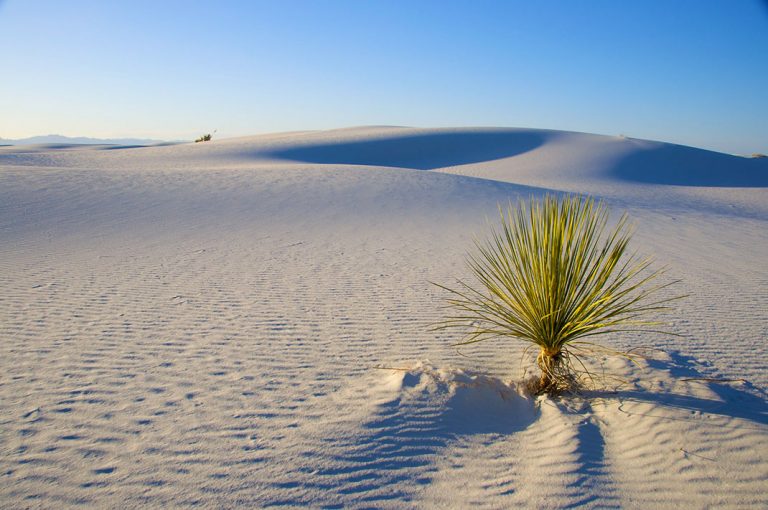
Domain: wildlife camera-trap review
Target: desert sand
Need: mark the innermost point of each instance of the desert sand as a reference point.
(246, 322)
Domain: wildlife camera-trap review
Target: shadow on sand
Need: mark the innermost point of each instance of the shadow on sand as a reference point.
(395, 450)
(418, 151)
(735, 399)
(687, 166)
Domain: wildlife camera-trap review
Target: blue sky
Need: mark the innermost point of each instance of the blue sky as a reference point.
(692, 72)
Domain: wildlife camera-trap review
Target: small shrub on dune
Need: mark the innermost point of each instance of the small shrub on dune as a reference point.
(554, 275)
(204, 138)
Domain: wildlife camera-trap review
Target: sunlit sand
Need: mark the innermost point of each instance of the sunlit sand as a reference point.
(246, 322)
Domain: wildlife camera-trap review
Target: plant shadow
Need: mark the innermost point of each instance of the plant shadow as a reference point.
(730, 397)
(592, 479)
(395, 452)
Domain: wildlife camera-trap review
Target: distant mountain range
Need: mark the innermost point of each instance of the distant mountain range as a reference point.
(48, 139)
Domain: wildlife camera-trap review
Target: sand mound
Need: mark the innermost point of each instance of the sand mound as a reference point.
(473, 403)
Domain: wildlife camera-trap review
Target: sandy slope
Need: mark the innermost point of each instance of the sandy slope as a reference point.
(199, 325)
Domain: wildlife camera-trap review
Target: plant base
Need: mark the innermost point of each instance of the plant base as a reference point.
(557, 373)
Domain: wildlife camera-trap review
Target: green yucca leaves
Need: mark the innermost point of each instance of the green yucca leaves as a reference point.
(552, 275)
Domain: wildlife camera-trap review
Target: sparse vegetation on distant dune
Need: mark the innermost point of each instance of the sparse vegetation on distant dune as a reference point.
(204, 138)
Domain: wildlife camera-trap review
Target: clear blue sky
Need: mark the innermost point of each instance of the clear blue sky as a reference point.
(685, 71)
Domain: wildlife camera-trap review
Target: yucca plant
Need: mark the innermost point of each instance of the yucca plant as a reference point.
(554, 275)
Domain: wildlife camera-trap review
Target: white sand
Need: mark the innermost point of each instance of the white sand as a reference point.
(199, 325)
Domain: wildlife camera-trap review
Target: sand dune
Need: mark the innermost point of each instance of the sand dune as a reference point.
(200, 324)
